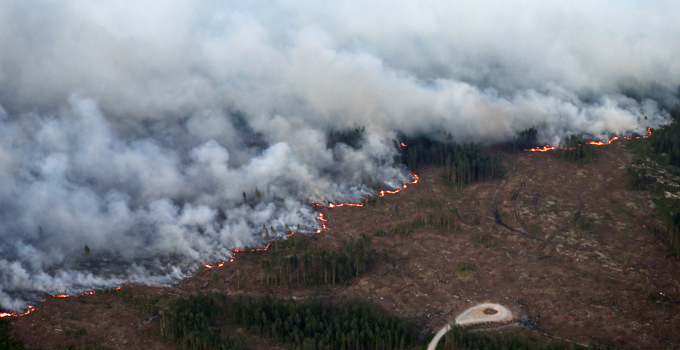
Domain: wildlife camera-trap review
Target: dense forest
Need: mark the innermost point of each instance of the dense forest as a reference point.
(465, 164)
(637, 178)
(201, 322)
(575, 149)
(192, 324)
(524, 140)
(666, 141)
(292, 263)
(198, 322)
(6, 343)
(351, 137)
(663, 145)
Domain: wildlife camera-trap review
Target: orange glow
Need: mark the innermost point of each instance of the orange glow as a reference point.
(594, 143)
(31, 308)
(211, 266)
(242, 250)
(381, 194)
(541, 149)
(320, 218)
(331, 205)
(86, 293)
(403, 144)
(5, 314)
(323, 223)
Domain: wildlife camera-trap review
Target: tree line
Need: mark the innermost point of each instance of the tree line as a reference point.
(292, 263)
(666, 141)
(665, 145)
(191, 323)
(350, 136)
(637, 178)
(6, 342)
(198, 322)
(464, 163)
(524, 140)
(575, 148)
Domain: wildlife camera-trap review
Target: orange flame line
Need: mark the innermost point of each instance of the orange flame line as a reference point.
(5, 314)
(31, 308)
(320, 218)
(594, 143)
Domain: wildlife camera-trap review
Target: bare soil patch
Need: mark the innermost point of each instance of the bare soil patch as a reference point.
(490, 311)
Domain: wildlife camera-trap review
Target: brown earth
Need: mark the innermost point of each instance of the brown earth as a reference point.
(566, 247)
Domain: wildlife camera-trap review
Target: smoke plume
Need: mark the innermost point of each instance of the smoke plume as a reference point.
(140, 141)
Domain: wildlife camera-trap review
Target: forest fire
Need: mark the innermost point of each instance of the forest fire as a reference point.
(81, 294)
(237, 250)
(260, 249)
(212, 266)
(545, 148)
(594, 143)
(31, 308)
(320, 218)
(5, 314)
(331, 205)
(381, 194)
(323, 223)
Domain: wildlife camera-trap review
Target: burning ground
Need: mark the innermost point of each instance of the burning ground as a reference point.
(566, 247)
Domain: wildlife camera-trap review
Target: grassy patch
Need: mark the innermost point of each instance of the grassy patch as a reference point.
(380, 233)
(464, 269)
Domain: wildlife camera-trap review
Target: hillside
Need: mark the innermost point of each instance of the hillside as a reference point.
(567, 247)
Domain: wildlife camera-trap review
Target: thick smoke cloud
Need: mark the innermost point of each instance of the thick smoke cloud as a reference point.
(136, 129)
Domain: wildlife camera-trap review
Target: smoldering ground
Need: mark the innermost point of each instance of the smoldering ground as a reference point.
(135, 130)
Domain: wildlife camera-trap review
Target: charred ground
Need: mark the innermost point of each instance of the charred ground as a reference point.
(567, 247)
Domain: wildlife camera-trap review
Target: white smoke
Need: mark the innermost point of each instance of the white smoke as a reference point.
(70, 181)
(136, 129)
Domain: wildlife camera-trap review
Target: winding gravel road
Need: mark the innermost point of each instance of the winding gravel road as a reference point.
(481, 313)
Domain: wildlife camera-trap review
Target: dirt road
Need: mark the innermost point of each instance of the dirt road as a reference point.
(481, 313)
